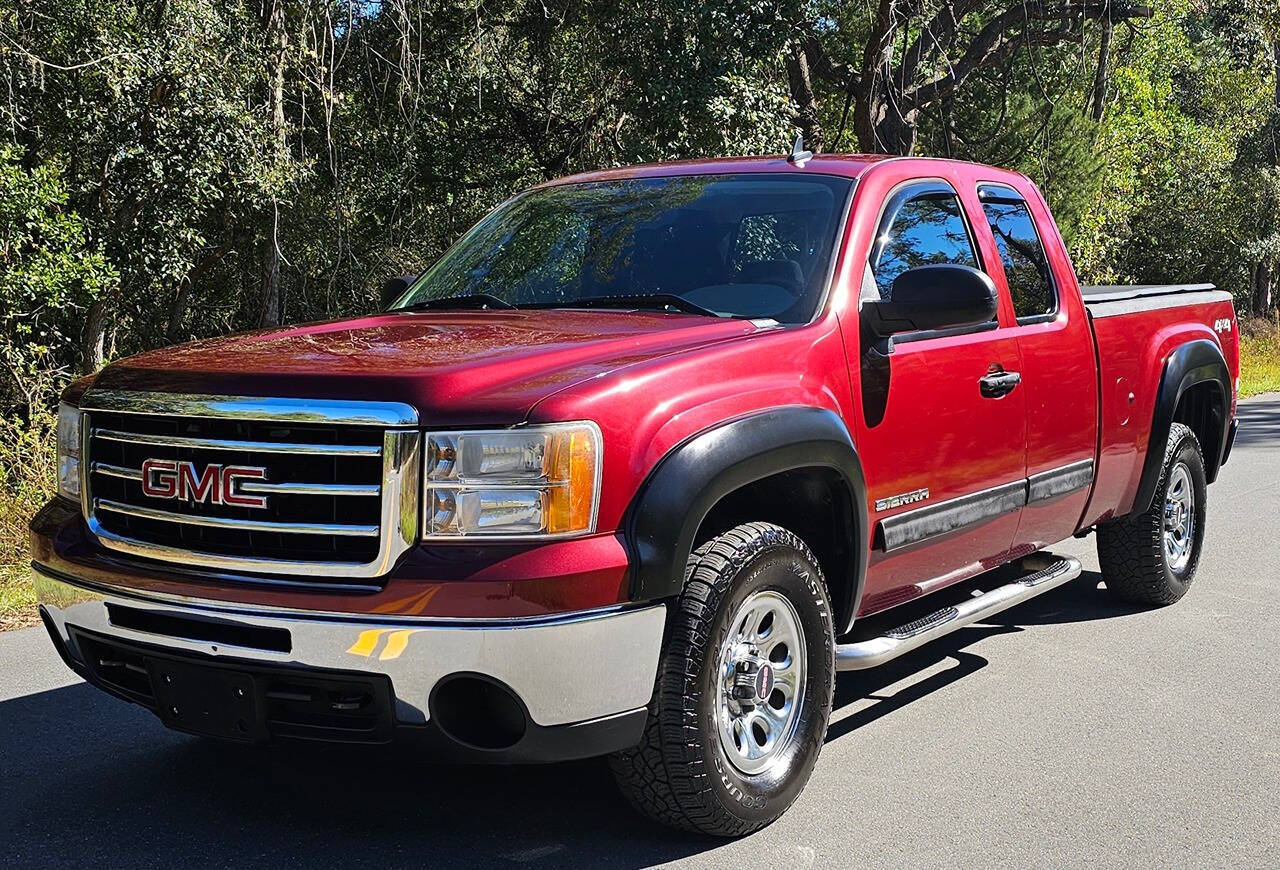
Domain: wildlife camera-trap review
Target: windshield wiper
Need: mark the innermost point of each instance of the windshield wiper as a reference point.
(479, 301)
(634, 300)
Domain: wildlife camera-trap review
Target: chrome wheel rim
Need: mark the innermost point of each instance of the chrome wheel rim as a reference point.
(760, 682)
(1179, 518)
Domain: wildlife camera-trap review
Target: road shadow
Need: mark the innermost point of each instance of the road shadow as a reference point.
(1084, 599)
(88, 780)
(854, 687)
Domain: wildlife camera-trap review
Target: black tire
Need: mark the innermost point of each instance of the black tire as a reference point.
(1131, 550)
(680, 774)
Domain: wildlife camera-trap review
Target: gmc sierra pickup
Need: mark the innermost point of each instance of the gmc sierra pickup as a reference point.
(633, 470)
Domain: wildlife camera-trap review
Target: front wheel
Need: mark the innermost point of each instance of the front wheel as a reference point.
(744, 687)
(1151, 557)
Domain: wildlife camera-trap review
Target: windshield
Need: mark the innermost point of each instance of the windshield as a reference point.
(750, 246)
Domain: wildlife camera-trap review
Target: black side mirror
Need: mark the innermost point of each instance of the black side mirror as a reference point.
(943, 296)
(394, 288)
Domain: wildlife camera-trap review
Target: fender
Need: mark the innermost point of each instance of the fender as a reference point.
(684, 487)
(1195, 362)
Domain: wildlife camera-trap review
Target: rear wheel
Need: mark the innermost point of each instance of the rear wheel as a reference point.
(1151, 557)
(744, 688)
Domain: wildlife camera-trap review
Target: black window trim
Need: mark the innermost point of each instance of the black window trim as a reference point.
(905, 191)
(926, 334)
(1002, 193)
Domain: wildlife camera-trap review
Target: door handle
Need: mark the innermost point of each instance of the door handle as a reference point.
(998, 384)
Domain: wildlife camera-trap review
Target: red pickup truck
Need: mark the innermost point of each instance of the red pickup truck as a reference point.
(633, 470)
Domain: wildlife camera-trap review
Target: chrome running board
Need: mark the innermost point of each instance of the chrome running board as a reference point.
(1055, 571)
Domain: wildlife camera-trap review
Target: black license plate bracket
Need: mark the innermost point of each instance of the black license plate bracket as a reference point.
(207, 700)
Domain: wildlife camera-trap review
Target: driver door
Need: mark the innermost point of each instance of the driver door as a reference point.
(945, 462)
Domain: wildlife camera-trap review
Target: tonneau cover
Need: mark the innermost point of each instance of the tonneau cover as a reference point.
(1117, 292)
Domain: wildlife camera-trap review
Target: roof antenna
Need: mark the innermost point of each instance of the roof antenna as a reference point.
(799, 156)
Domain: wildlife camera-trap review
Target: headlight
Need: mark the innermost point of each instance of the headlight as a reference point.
(69, 451)
(537, 481)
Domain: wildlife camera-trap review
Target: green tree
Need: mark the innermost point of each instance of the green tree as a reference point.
(50, 274)
(881, 68)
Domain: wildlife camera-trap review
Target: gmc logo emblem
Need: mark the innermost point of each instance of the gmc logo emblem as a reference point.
(216, 484)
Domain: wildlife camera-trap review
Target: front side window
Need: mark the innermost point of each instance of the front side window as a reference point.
(1026, 269)
(920, 228)
(756, 245)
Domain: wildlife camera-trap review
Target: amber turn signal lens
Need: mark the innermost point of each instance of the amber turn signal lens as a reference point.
(571, 503)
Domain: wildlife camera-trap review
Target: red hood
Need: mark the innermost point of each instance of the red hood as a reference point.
(460, 368)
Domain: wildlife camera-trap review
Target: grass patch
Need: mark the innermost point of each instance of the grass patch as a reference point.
(17, 598)
(1259, 357)
(27, 478)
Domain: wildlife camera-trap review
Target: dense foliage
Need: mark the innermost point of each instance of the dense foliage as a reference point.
(173, 169)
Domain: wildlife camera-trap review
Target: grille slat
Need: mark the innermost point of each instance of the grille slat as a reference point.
(245, 446)
(295, 528)
(335, 492)
(351, 489)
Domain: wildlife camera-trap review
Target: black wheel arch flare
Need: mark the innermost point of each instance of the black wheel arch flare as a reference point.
(686, 484)
(1196, 362)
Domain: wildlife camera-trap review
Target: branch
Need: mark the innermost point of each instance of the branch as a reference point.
(1005, 33)
(73, 67)
(823, 67)
(879, 45)
(941, 31)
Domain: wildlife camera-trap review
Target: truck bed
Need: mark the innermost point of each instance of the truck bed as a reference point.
(1105, 300)
(1116, 292)
(1135, 326)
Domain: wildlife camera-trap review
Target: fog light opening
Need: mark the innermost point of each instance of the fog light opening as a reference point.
(478, 712)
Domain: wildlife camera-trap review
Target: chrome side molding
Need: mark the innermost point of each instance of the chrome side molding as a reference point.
(924, 523)
(917, 525)
(1059, 481)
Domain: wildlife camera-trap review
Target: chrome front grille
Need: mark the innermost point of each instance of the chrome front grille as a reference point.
(340, 484)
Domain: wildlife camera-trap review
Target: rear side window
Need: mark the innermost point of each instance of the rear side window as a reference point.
(1025, 266)
(921, 227)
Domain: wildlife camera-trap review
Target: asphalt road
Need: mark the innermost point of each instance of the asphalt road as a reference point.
(1067, 732)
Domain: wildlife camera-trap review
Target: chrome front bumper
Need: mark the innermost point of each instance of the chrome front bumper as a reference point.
(566, 669)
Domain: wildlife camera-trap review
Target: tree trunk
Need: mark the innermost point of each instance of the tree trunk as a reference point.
(93, 337)
(802, 94)
(177, 311)
(866, 110)
(880, 125)
(896, 135)
(269, 315)
(277, 42)
(1263, 287)
(1100, 74)
(1263, 281)
(1275, 107)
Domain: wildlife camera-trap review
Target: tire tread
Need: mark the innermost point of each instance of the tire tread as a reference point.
(1130, 549)
(665, 777)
